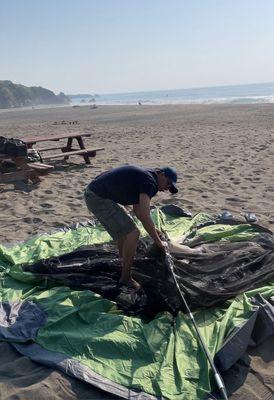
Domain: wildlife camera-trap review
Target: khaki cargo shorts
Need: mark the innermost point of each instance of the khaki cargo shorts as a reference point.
(112, 216)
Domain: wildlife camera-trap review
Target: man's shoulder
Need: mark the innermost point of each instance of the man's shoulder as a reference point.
(133, 169)
(128, 172)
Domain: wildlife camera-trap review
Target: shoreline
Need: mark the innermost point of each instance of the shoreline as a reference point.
(143, 105)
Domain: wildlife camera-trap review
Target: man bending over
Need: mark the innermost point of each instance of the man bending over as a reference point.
(128, 185)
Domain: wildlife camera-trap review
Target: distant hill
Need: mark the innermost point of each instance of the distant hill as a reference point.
(14, 95)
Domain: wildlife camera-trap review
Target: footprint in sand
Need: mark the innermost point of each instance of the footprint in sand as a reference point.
(236, 181)
(58, 224)
(234, 199)
(47, 212)
(30, 220)
(193, 189)
(37, 220)
(46, 205)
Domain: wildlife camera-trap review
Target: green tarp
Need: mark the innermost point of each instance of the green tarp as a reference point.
(160, 357)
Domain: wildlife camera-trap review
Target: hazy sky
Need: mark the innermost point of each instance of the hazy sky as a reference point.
(104, 46)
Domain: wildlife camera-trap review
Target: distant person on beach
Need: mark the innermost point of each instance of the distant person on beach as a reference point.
(124, 186)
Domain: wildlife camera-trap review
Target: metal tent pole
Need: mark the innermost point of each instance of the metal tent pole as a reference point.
(217, 375)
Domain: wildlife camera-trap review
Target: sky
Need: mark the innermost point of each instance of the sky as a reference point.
(114, 46)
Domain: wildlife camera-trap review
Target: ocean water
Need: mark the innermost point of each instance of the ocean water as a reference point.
(237, 94)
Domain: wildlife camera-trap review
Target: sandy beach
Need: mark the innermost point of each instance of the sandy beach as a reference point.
(223, 154)
(224, 157)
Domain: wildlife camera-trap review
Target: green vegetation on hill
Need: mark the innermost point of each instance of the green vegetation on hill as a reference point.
(14, 95)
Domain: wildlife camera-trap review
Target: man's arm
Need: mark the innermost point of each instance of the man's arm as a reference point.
(142, 212)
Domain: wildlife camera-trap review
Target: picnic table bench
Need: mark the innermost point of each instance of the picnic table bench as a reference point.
(23, 170)
(66, 150)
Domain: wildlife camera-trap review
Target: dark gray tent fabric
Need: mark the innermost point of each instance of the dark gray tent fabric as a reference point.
(20, 321)
(246, 360)
(207, 279)
(23, 379)
(253, 376)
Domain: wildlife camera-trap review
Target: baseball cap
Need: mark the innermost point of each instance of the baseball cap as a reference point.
(172, 176)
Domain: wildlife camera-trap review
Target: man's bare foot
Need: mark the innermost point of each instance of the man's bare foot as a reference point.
(131, 283)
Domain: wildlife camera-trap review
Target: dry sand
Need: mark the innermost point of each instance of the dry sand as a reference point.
(224, 154)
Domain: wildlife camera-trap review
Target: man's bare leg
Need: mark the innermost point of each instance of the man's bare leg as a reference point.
(130, 242)
(120, 246)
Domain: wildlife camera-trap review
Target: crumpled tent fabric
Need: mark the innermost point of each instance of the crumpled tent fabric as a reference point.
(218, 273)
(89, 337)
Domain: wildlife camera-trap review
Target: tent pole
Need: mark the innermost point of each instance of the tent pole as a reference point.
(217, 375)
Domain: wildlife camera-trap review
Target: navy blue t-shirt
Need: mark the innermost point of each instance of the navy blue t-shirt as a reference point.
(124, 184)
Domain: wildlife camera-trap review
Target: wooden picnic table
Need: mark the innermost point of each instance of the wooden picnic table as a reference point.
(66, 150)
(31, 140)
(23, 169)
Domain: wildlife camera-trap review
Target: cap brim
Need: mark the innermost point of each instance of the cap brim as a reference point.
(173, 189)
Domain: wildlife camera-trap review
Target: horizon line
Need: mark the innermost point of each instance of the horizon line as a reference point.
(167, 90)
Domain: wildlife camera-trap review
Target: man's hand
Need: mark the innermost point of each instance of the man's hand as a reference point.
(160, 233)
(162, 245)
